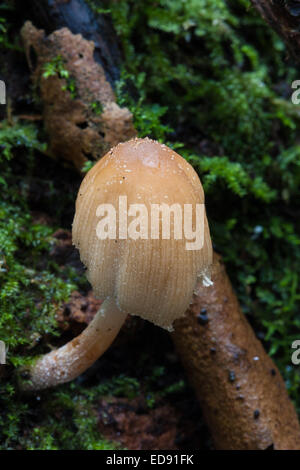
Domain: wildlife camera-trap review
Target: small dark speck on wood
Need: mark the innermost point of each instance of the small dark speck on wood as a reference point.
(231, 376)
(202, 317)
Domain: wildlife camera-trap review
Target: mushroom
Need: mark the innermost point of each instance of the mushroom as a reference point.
(134, 261)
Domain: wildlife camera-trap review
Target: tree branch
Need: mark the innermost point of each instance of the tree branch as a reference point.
(284, 17)
(241, 391)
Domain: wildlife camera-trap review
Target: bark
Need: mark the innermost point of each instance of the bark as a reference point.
(242, 393)
(80, 113)
(77, 16)
(284, 17)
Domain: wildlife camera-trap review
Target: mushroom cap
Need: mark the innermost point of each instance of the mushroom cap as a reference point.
(152, 278)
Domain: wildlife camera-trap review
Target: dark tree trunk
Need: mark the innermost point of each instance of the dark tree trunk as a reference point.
(284, 17)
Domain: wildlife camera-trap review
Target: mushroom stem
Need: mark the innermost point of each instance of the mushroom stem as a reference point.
(69, 361)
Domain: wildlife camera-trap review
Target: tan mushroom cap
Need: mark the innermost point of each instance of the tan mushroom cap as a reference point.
(152, 278)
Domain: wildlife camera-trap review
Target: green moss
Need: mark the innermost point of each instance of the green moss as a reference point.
(64, 418)
(30, 291)
(87, 166)
(97, 107)
(68, 421)
(155, 393)
(33, 288)
(8, 38)
(57, 67)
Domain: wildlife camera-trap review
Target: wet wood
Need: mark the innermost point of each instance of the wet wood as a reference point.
(81, 116)
(78, 17)
(242, 393)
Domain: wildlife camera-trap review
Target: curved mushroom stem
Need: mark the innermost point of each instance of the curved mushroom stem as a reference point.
(72, 359)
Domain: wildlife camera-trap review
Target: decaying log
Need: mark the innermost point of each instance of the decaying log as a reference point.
(78, 17)
(284, 17)
(241, 391)
(81, 116)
